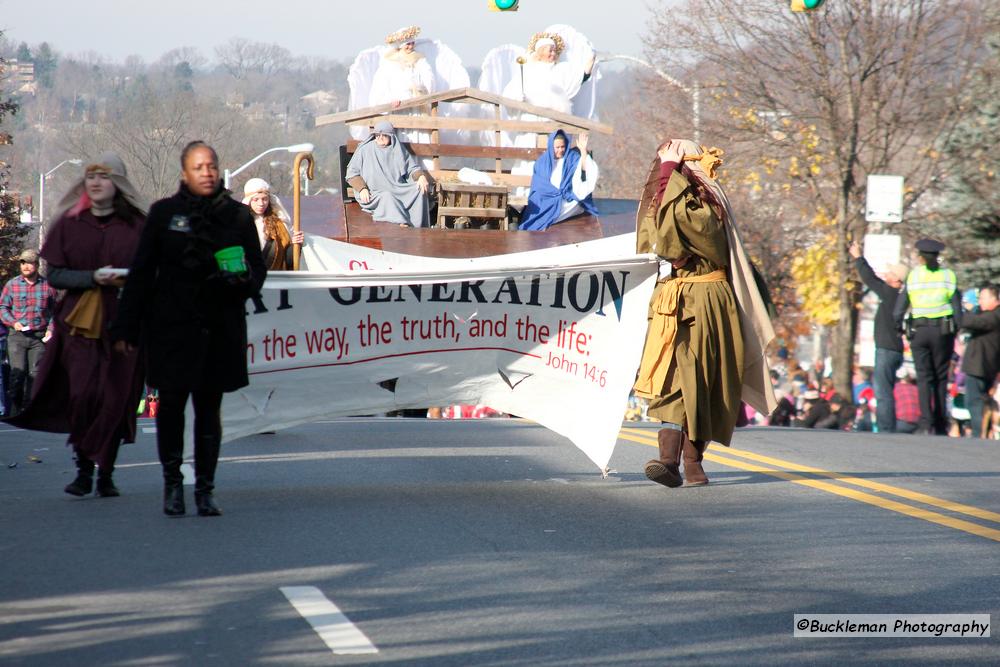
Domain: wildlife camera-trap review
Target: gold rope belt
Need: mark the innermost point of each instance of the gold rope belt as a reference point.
(659, 350)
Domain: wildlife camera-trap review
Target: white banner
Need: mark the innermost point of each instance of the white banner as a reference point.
(552, 335)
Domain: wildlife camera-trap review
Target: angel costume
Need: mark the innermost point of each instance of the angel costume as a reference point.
(390, 73)
(546, 84)
(390, 174)
(564, 86)
(401, 76)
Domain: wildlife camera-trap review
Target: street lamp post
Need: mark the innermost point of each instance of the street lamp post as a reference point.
(296, 148)
(41, 186)
(691, 90)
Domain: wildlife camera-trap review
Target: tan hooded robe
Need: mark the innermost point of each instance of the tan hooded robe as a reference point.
(716, 356)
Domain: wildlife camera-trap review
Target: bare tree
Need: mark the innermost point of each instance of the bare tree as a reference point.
(184, 54)
(148, 127)
(242, 57)
(826, 98)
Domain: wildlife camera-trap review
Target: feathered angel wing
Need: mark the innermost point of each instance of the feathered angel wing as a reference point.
(448, 69)
(579, 50)
(449, 73)
(360, 77)
(585, 101)
(499, 67)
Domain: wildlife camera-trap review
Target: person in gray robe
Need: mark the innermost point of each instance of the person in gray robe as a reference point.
(388, 182)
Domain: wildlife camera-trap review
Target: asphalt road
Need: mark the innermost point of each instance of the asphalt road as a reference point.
(498, 543)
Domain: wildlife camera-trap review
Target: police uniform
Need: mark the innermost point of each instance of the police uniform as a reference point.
(934, 301)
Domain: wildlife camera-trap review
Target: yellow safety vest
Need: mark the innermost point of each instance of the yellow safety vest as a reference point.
(930, 292)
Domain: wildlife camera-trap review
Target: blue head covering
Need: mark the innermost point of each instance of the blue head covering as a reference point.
(544, 200)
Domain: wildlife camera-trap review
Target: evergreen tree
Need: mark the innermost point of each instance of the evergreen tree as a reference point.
(45, 64)
(24, 54)
(970, 220)
(10, 233)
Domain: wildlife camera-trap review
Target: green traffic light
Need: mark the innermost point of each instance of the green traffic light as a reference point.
(504, 5)
(805, 5)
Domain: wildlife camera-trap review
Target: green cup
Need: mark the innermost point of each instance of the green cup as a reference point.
(232, 259)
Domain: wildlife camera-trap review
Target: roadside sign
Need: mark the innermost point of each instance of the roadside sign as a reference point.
(884, 202)
(881, 250)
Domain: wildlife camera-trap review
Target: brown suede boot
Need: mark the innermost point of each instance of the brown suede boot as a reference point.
(694, 453)
(666, 469)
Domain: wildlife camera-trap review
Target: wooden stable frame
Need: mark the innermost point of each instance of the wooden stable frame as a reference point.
(433, 122)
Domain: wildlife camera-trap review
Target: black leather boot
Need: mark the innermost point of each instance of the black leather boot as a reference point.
(173, 499)
(84, 481)
(105, 485)
(206, 459)
(171, 451)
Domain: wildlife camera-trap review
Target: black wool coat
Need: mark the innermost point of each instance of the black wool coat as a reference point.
(188, 317)
(982, 353)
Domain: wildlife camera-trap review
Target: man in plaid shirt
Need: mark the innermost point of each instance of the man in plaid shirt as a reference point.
(907, 405)
(26, 310)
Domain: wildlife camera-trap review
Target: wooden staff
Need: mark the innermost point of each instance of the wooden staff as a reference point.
(296, 200)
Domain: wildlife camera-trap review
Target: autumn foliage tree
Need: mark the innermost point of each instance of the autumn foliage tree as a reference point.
(813, 103)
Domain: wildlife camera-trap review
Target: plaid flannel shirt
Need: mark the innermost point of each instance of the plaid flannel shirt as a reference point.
(31, 305)
(907, 402)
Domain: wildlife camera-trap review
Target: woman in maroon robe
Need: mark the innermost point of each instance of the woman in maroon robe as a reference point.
(84, 387)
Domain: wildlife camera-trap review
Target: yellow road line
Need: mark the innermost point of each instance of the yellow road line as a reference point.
(941, 503)
(860, 496)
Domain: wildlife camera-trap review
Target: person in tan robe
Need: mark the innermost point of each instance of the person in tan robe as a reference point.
(695, 362)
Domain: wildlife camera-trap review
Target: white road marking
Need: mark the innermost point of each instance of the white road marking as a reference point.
(188, 471)
(149, 429)
(335, 629)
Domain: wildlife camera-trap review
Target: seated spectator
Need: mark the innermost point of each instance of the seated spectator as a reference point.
(815, 408)
(562, 184)
(271, 220)
(907, 405)
(826, 388)
(785, 412)
(864, 391)
(388, 182)
(841, 414)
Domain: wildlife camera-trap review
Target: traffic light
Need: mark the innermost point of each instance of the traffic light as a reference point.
(503, 5)
(806, 5)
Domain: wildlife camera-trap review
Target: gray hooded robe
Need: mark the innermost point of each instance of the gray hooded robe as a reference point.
(390, 175)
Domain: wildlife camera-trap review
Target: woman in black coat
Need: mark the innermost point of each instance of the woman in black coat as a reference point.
(190, 317)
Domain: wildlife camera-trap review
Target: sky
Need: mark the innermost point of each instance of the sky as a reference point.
(335, 29)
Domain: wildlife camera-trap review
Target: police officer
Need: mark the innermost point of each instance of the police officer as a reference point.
(934, 301)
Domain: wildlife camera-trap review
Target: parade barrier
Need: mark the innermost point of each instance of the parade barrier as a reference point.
(551, 335)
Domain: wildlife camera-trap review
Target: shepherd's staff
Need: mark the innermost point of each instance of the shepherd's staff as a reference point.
(521, 61)
(296, 203)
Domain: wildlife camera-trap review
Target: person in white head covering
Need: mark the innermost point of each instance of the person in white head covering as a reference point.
(542, 79)
(271, 221)
(388, 182)
(84, 387)
(403, 72)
